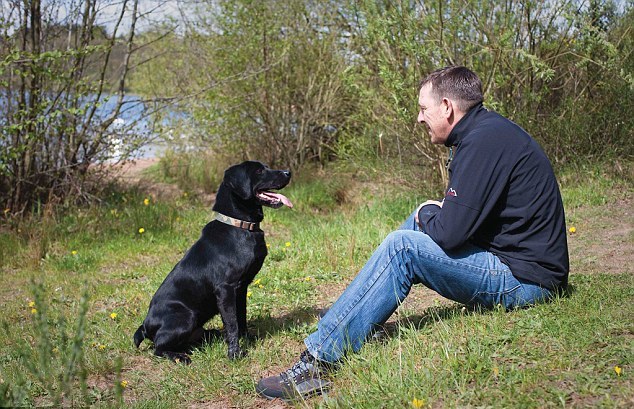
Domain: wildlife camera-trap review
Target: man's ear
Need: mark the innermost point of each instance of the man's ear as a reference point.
(446, 107)
(238, 181)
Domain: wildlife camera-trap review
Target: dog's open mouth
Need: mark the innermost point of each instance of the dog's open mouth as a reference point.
(273, 199)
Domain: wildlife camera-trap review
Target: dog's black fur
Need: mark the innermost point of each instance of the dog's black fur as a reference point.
(214, 274)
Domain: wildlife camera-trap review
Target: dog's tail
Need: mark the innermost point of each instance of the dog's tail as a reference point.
(139, 335)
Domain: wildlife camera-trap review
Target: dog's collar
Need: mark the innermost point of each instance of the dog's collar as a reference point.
(251, 226)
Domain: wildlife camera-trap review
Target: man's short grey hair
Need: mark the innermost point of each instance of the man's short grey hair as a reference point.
(457, 83)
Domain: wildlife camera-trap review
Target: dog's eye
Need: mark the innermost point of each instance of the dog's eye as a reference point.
(259, 171)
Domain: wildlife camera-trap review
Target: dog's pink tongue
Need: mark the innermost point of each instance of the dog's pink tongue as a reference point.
(280, 197)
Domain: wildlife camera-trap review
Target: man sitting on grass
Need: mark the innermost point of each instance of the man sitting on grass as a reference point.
(497, 238)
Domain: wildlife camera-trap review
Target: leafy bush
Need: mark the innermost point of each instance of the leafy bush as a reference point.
(63, 99)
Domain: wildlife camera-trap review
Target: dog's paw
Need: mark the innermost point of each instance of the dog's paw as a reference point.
(183, 359)
(178, 357)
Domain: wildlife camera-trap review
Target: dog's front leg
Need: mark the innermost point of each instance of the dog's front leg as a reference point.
(226, 296)
(241, 304)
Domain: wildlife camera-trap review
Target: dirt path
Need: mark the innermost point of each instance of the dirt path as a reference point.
(133, 172)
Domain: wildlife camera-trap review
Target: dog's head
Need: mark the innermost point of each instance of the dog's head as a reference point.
(254, 181)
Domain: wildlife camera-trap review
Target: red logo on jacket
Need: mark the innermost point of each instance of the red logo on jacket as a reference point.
(451, 192)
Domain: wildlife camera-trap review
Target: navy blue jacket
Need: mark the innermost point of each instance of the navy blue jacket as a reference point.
(503, 197)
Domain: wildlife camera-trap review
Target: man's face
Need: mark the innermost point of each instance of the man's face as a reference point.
(435, 115)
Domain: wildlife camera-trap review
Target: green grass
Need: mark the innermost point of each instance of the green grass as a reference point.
(80, 267)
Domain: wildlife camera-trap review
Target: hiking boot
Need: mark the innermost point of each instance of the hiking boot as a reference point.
(304, 379)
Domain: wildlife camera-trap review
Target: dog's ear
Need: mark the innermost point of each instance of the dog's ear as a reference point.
(237, 179)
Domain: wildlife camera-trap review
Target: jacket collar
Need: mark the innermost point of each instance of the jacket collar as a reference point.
(464, 125)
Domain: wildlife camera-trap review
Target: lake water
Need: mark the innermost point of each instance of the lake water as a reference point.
(133, 125)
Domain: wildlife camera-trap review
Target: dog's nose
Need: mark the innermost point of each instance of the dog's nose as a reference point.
(287, 173)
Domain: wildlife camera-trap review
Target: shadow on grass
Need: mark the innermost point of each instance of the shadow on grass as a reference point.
(262, 327)
(299, 319)
(295, 320)
(432, 315)
(429, 316)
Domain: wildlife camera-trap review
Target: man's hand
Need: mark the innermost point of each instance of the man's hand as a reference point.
(429, 202)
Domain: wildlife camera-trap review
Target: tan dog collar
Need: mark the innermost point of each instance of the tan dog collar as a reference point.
(251, 226)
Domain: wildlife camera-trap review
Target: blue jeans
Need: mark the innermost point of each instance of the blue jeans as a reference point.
(406, 257)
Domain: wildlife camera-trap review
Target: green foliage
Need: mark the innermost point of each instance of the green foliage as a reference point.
(297, 82)
(272, 79)
(319, 194)
(272, 76)
(564, 74)
(57, 102)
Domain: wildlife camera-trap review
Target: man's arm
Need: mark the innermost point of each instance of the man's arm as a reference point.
(449, 226)
(479, 175)
(429, 211)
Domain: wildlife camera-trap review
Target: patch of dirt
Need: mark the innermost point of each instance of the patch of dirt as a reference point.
(262, 403)
(131, 172)
(604, 238)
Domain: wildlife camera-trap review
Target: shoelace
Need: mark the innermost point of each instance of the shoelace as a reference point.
(297, 369)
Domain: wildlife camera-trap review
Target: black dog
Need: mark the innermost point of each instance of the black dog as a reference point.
(214, 274)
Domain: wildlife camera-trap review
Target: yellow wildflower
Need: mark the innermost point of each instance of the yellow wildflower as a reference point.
(74, 252)
(418, 403)
(618, 370)
(256, 282)
(307, 278)
(573, 229)
(31, 304)
(34, 311)
(141, 230)
(124, 384)
(146, 201)
(287, 244)
(113, 315)
(249, 293)
(102, 347)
